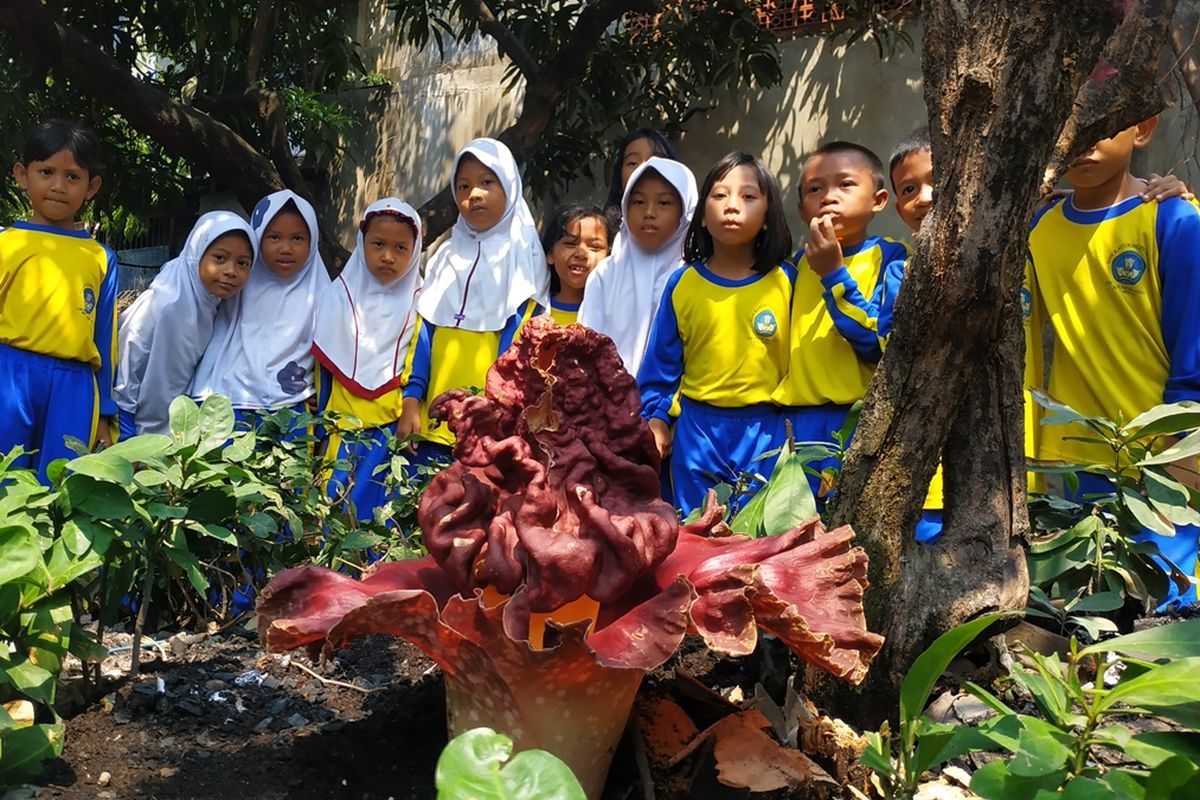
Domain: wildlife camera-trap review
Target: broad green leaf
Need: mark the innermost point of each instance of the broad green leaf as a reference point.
(263, 525)
(790, 500)
(360, 540)
(1165, 419)
(994, 782)
(1176, 640)
(24, 750)
(1146, 516)
(1039, 755)
(1084, 529)
(750, 519)
(1154, 747)
(184, 420)
(1082, 788)
(1186, 447)
(191, 567)
(1100, 601)
(164, 511)
(216, 532)
(97, 499)
(929, 666)
(216, 423)
(20, 552)
(103, 466)
(470, 769)
(30, 679)
(64, 568)
(241, 448)
(1045, 567)
(1124, 786)
(878, 754)
(1177, 777)
(1169, 690)
(142, 448)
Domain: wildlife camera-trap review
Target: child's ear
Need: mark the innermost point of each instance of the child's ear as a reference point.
(20, 175)
(881, 198)
(93, 187)
(1144, 131)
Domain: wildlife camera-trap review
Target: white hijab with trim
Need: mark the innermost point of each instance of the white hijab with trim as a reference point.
(477, 280)
(364, 327)
(163, 334)
(260, 356)
(622, 293)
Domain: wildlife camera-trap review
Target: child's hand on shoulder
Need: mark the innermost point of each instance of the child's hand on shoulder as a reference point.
(662, 436)
(823, 252)
(409, 423)
(1164, 187)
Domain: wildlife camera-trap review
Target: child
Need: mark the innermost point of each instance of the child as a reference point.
(482, 284)
(58, 292)
(575, 239)
(260, 356)
(635, 149)
(832, 352)
(1117, 277)
(164, 333)
(623, 292)
(363, 336)
(720, 337)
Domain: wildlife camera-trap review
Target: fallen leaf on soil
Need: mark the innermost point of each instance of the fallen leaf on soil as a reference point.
(748, 758)
(835, 742)
(667, 729)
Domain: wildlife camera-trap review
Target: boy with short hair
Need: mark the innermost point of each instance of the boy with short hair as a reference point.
(1118, 279)
(58, 290)
(834, 345)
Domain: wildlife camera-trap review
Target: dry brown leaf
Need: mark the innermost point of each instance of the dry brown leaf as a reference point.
(748, 758)
(667, 730)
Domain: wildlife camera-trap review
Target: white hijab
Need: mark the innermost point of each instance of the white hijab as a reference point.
(163, 334)
(622, 293)
(261, 351)
(478, 279)
(364, 327)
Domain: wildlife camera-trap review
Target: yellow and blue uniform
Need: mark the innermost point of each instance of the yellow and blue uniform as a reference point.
(451, 358)
(564, 313)
(718, 349)
(58, 339)
(834, 341)
(1121, 288)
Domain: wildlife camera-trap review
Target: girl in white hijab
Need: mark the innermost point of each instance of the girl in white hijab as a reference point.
(484, 282)
(622, 293)
(260, 356)
(163, 334)
(366, 320)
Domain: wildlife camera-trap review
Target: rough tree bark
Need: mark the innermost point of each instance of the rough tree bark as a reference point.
(1001, 82)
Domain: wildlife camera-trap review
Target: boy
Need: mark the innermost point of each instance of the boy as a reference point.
(58, 290)
(833, 342)
(1118, 278)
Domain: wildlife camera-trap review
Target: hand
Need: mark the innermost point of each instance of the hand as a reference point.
(1164, 187)
(822, 250)
(1056, 194)
(104, 433)
(409, 422)
(662, 436)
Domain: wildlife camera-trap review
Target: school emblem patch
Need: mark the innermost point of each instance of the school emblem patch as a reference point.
(765, 324)
(1026, 303)
(1128, 267)
(89, 300)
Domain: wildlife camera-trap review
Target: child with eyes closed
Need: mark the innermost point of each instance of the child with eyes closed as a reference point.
(720, 341)
(163, 334)
(260, 356)
(622, 293)
(364, 336)
(481, 285)
(576, 238)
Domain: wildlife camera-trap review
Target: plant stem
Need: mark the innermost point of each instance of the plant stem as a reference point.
(139, 624)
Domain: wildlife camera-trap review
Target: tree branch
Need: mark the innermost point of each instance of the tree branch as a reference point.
(264, 22)
(505, 39)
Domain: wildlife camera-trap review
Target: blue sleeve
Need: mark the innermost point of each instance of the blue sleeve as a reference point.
(324, 386)
(1178, 233)
(662, 367)
(106, 337)
(512, 329)
(420, 358)
(854, 316)
(893, 276)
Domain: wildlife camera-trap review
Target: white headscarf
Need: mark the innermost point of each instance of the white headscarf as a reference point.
(364, 327)
(478, 279)
(622, 293)
(157, 361)
(261, 351)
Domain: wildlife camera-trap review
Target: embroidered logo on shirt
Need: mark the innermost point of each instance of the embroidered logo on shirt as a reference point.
(765, 324)
(1026, 303)
(1128, 267)
(89, 300)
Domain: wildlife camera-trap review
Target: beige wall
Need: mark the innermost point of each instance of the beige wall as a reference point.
(409, 138)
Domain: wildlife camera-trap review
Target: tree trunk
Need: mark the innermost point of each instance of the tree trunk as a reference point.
(1001, 79)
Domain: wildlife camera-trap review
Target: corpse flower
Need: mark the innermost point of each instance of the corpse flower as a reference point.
(557, 577)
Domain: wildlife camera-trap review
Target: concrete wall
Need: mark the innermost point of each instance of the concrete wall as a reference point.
(409, 136)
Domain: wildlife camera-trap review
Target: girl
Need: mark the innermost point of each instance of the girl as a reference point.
(162, 336)
(364, 332)
(575, 238)
(482, 284)
(720, 337)
(623, 292)
(633, 151)
(260, 356)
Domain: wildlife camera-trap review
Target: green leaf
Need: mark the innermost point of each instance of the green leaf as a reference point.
(1186, 447)
(1154, 747)
(142, 448)
(750, 519)
(241, 448)
(215, 422)
(1146, 516)
(65, 568)
(20, 552)
(1166, 419)
(1176, 640)
(1039, 755)
(1082, 788)
(1175, 777)
(184, 420)
(470, 769)
(1123, 785)
(994, 782)
(31, 680)
(1100, 601)
(1046, 567)
(1169, 690)
(790, 500)
(262, 525)
(103, 466)
(1084, 529)
(191, 567)
(97, 499)
(164, 511)
(215, 532)
(24, 750)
